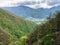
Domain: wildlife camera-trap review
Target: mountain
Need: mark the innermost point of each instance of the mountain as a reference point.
(15, 25)
(47, 33)
(27, 12)
(21, 10)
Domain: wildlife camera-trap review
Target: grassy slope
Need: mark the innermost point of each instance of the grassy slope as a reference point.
(15, 25)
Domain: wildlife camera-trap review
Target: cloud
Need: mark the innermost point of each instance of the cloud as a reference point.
(45, 4)
(11, 3)
(37, 20)
(30, 3)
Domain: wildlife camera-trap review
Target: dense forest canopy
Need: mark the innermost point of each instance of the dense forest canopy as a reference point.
(47, 33)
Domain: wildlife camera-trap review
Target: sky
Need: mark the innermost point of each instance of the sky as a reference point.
(30, 3)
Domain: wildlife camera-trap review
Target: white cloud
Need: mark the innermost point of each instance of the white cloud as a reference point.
(30, 3)
(37, 20)
(45, 4)
(10, 3)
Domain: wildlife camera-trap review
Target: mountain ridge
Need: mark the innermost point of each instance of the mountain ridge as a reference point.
(27, 12)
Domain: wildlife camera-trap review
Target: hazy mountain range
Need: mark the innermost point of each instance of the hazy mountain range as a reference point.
(32, 14)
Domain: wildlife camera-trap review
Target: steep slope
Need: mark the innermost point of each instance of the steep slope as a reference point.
(46, 34)
(15, 25)
(5, 37)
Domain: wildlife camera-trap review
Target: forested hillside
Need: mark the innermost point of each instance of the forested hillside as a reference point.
(47, 33)
(13, 27)
(15, 30)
